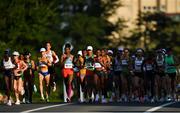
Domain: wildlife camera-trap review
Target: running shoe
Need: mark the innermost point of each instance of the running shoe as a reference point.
(111, 99)
(28, 102)
(54, 87)
(97, 98)
(142, 99)
(24, 101)
(152, 100)
(125, 99)
(168, 98)
(137, 99)
(42, 99)
(22, 92)
(18, 102)
(68, 100)
(119, 100)
(104, 100)
(9, 103)
(47, 99)
(146, 98)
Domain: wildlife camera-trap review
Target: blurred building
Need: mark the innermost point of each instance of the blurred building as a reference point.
(131, 8)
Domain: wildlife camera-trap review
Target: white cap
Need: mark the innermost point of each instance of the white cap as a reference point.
(15, 53)
(42, 50)
(90, 48)
(139, 50)
(120, 49)
(110, 51)
(79, 53)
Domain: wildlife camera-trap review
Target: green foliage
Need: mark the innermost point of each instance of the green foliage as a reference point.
(25, 22)
(160, 29)
(87, 23)
(29, 23)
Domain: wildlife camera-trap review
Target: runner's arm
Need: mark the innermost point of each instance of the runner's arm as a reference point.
(56, 57)
(33, 65)
(24, 65)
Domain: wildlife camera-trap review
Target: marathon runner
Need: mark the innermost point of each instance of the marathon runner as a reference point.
(98, 75)
(51, 55)
(138, 75)
(44, 74)
(160, 78)
(106, 61)
(81, 73)
(171, 63)
(117, 74)
(67, 70)
(7, 67)
(18, 76)
(149, 67)
(89, 65)
(29, 77)
(126, 81)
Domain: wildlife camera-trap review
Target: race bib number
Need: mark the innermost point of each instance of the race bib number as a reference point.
(76, 69)
(138, 65)
(70, 65)
(124, 62)
(97, 65)
(149, 67)
(89, 65)
(9, 65)
(160, 63)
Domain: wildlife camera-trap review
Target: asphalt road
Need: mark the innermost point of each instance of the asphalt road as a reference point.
(95, 108)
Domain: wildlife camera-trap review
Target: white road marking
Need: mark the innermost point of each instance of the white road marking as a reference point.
(45, 107)
(158, 107)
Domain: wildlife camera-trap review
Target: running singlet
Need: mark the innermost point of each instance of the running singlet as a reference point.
(124, 62)
(160, 62)
(170, 68)
(29, 64)
(42, 64)
(49, 55)
(68, 63)
(138, 64)
(89, 63)
(125, 66)
(19, 73)
(117, 65)
(149, 67)
(8, 64)
(97, 64)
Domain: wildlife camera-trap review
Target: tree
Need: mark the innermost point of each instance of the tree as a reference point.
(159, 29)
(85, 21)
(27, 22)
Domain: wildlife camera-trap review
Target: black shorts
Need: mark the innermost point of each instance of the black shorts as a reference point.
(161, 74)
(17, 77)
(172, 75)
(150, 75)
(8, 73)
(138, 74)
(99, 73)
(51, 69)
(117, 73)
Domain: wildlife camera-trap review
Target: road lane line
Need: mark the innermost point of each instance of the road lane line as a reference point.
(159, 107)
(45, 107)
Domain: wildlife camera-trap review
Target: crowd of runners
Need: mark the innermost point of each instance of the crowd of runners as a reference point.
(99, 75)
